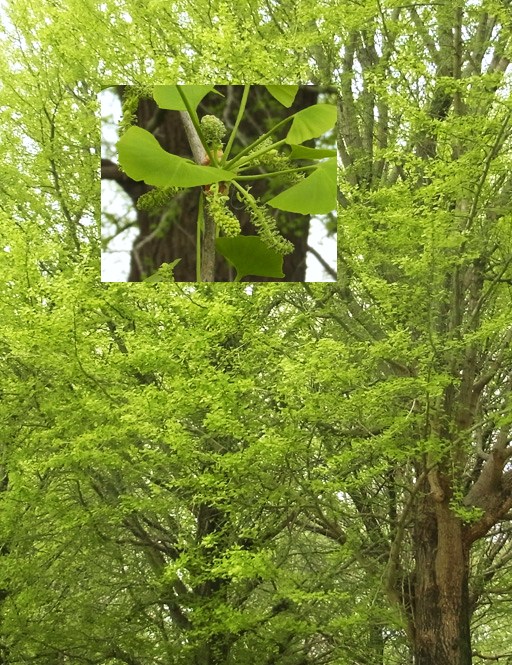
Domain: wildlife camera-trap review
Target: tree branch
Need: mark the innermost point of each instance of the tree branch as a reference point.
(330, 271)
(208, 249)
(111, 171)
(497, 657)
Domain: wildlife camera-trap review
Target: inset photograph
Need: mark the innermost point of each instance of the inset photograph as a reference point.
(222, 183)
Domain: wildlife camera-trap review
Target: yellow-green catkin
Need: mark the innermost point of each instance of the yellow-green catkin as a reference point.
(156, 198)
(267, 228)
(220, 213)
(273, 160)
(132, 95)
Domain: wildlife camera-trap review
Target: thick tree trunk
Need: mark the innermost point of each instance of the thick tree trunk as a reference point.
(440, 612)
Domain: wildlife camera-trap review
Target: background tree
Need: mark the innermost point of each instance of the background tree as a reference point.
(143, 485)
(424, 137)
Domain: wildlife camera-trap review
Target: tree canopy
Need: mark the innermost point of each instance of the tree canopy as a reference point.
(287, 474)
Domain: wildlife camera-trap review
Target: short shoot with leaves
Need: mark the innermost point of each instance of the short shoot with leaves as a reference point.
(142, 158)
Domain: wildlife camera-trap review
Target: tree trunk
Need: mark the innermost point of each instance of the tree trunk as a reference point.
(440, 612)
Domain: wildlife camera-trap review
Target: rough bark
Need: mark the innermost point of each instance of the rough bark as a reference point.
(440, 608)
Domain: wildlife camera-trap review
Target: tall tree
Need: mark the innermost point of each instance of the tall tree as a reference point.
(425, 137)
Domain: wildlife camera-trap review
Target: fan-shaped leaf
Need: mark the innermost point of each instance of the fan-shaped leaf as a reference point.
(250, 256)
(301, 152)
(312, 122)
(168, 97)
(316, 194)
(142, 158)
(285, 94)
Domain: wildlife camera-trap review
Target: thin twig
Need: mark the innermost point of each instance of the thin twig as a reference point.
(330, 271)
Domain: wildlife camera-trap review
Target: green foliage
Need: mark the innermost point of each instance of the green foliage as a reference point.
(246, 473)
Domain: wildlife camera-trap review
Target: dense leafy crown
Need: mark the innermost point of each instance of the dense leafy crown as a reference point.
(287, 474)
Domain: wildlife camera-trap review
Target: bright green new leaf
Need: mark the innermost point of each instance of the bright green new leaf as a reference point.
(285, 94)
(142, 158)
(312, 122)
(316, 194)
(301, 152)
(168, 97)
(250, 256)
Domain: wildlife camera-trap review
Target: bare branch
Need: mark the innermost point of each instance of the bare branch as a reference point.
(322, 261)
(477, 654)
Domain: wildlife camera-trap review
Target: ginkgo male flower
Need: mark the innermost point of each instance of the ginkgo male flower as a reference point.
(219, 212)
(267, 227)
(156, 198)
(213, 130)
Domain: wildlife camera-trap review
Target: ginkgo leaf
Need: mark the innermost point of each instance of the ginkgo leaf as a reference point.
(250, 256)
(168, 97)
(316, 194)
(285, 94)
(302, 152)
(142, 158)
(312, 122)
